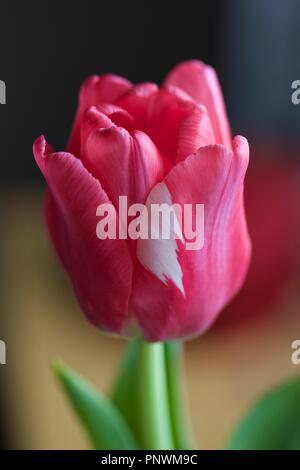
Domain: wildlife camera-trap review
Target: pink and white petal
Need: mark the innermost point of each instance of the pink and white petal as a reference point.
(126, 164)
(200, 81)
(100, 270)
(181, 295)
(94, 91)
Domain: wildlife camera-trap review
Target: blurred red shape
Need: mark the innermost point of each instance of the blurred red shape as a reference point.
(272, 201)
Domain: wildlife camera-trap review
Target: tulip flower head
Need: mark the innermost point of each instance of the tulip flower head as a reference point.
(145, 145)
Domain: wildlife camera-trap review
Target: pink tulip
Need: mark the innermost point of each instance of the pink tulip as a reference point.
(171, 144)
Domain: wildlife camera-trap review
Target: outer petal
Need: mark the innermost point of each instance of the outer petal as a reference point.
(126, 164)
(184, 296)
(101, 271)
(201, 83)
(95, 90)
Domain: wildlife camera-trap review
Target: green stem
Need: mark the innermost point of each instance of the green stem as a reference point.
(176, 390)
(152, 406)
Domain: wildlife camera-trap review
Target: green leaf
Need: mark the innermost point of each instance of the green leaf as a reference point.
(106, 428)
(122, 394)
(274, 423)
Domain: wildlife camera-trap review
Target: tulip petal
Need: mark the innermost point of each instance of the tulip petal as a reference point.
(201, 83)
(196, 283)
(101, 270)
(137, 101)
(92, 119)
(103, 117)
(170, 117)
(195, 131)
(177, 125)
(94, 91)
(126, 164)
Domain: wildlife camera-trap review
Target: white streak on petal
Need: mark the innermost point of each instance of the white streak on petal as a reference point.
(160, 255)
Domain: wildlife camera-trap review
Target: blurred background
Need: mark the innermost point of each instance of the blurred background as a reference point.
(46, 50)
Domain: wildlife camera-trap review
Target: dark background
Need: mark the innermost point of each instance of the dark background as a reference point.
(48, 47)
